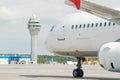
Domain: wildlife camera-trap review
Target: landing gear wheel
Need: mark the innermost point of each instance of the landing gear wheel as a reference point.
(78, 73)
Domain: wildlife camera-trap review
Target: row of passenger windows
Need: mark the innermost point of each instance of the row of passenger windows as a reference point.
(93, 25)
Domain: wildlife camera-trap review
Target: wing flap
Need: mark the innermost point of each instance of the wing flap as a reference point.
(98, 10)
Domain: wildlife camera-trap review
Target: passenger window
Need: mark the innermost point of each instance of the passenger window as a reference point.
(72, 26)
(105, 24)
(84, 26)
(96, 24)
(92, 25)
(88, 25)
(113, 24)
(100, 24)
(80, 26)
(109, 23)
(76, 26)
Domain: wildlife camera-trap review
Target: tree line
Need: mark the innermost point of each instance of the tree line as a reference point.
(60, 59)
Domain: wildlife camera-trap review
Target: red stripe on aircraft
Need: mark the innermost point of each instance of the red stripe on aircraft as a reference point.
(76, 3)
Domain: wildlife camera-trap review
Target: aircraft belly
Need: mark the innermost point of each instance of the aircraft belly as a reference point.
(78, 53)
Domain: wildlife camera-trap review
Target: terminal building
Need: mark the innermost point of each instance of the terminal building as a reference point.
(15, 59)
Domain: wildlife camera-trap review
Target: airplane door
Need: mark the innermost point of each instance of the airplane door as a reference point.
(61, 33)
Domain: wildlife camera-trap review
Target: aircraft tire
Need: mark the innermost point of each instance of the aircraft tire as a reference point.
(78, 73)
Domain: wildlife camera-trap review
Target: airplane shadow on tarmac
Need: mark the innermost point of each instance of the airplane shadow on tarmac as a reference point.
(67, 77)
(51, 76)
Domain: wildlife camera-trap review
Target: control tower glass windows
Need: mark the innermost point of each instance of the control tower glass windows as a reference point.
(36, 25)
(34, 22)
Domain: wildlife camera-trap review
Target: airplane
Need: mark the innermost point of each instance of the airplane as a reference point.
(82, 35)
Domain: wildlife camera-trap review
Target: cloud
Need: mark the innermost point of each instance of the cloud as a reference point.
(7, 13)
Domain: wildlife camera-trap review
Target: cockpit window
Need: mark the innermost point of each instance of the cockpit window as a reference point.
(52, 29)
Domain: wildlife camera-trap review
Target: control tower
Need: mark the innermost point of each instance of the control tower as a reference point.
(34, 28)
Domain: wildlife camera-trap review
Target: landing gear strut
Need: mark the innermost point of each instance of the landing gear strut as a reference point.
(78, 73)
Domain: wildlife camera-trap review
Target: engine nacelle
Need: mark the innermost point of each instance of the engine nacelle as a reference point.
(109, 56)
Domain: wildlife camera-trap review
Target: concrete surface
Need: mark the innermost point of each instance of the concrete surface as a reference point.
(53, 72)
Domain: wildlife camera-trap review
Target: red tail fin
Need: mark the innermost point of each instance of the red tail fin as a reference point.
(76, 3)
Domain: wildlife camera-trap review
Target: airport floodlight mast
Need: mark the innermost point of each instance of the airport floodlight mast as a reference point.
(34, 29)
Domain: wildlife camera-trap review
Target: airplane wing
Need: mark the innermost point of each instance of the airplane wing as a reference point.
(96, 9)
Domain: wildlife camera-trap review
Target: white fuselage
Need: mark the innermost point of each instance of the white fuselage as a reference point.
(81, 34)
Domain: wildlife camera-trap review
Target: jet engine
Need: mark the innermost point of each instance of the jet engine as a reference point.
(109, 56)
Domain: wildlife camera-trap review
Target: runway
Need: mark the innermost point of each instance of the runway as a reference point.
(53, 72)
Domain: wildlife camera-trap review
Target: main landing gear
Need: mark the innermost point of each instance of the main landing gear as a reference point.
(78, 73)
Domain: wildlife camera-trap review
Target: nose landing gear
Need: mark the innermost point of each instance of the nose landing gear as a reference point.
(78, 73)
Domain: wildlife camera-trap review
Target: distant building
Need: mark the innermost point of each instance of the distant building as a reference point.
(14, 59)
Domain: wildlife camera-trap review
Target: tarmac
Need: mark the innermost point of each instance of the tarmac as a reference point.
(53, 72)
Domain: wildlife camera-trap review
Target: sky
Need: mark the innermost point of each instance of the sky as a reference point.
(14, 16)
